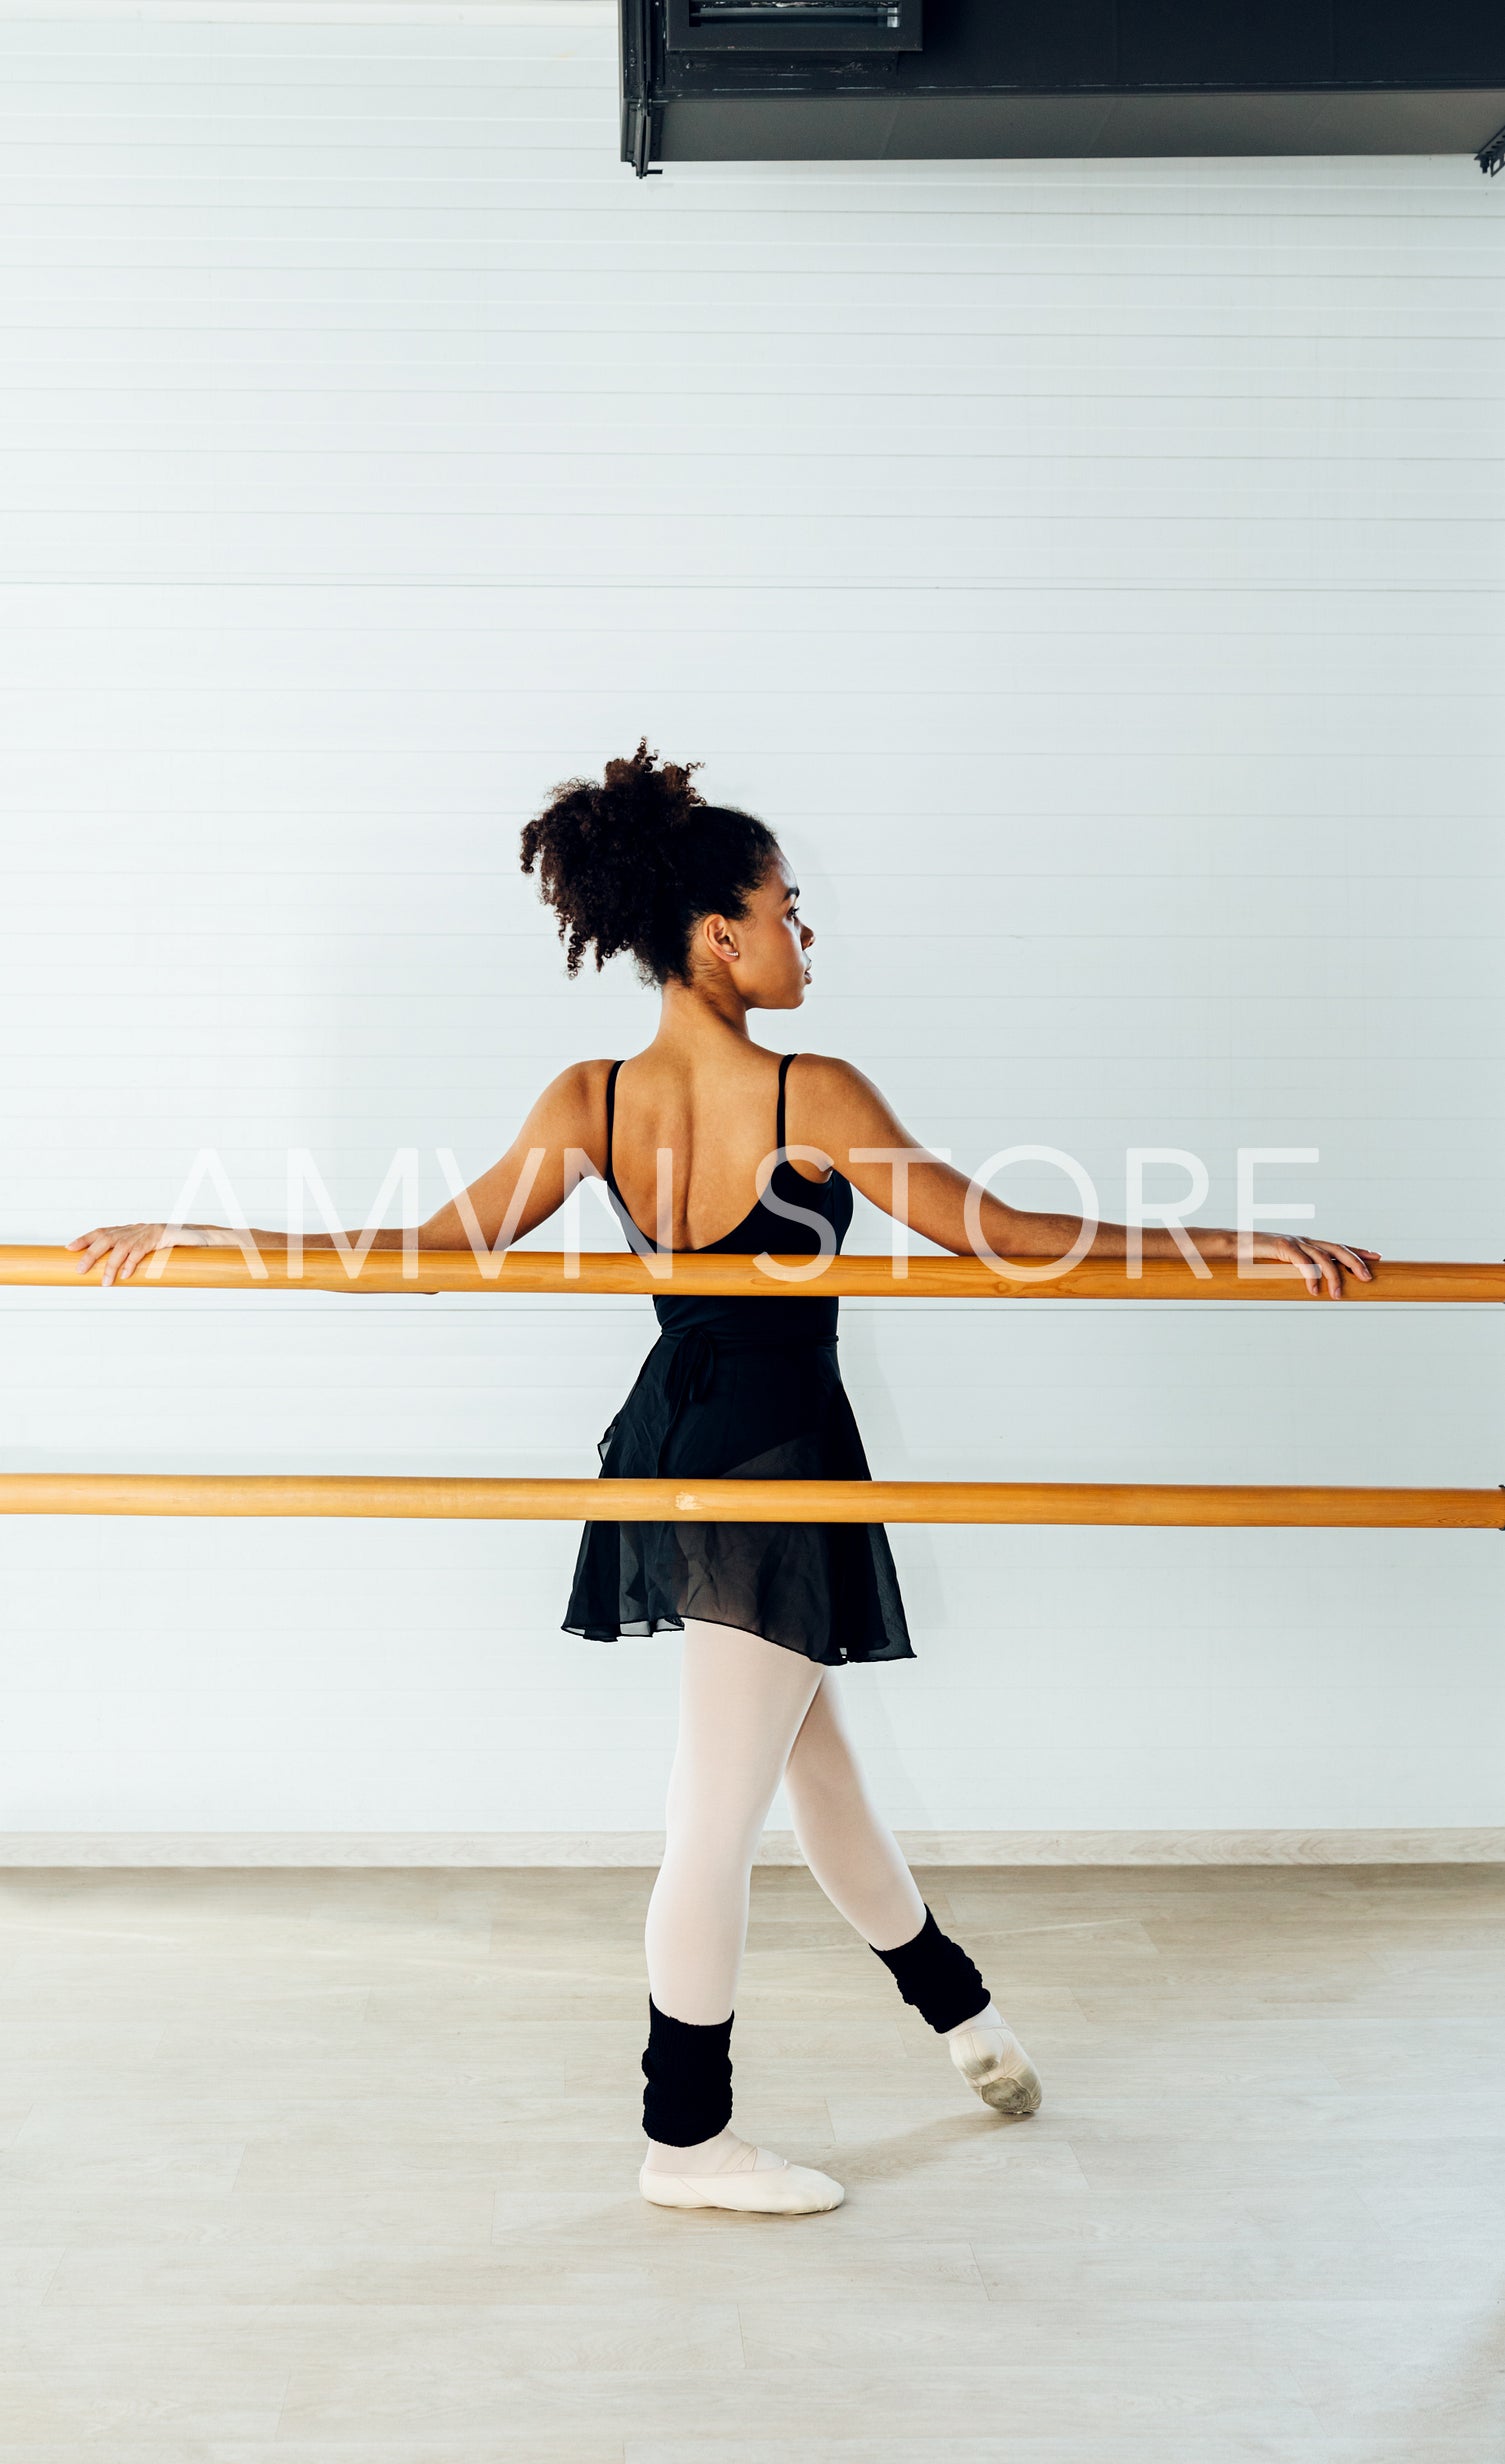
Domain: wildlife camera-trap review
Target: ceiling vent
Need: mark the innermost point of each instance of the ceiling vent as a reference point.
(791, 29)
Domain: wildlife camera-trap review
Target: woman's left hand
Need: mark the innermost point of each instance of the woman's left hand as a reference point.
(1322, 1264)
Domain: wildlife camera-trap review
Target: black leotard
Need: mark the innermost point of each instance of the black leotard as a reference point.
(750, 1390)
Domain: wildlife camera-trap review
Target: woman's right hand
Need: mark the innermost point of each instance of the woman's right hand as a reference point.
(124, 1245)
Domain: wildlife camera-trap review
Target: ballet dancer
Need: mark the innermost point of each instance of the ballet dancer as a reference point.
(704, 902)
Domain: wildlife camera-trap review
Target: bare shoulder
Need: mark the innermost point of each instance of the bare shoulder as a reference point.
(838, 1091)
(826, 1073)
(571, 1105)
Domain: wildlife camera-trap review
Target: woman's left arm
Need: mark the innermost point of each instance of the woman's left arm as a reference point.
(868, 1142)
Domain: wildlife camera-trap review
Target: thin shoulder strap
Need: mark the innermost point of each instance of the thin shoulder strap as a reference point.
(611, 1114)
(778, 1134)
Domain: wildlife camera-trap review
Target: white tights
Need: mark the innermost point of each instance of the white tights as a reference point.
(750, 1714)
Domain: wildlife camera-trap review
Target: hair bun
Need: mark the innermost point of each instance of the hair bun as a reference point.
(661, 792)
(628, 862)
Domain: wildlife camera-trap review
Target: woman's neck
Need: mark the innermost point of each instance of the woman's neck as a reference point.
(697, 1019)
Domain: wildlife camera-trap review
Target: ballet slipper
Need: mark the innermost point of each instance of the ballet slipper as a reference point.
(772, 2187)
(992, 2060)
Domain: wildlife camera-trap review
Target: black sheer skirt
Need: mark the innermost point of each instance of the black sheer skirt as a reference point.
(741, 1406)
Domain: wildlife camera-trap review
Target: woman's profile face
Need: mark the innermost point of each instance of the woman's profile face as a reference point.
(766, 951)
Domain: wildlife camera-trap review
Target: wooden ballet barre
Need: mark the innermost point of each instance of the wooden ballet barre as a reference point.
(534, 1271)
(747, 1501)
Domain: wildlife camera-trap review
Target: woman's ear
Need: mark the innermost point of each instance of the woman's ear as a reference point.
(719, 937)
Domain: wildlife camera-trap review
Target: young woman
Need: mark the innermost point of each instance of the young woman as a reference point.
(722, 1146)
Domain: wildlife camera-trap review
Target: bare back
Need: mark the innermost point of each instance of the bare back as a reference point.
(718, 1125)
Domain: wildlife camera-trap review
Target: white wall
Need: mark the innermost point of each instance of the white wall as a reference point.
(1090, 569)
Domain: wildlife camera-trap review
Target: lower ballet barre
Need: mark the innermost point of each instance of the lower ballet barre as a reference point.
(748, 1501)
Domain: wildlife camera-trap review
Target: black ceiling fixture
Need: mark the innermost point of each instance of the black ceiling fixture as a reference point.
(831, 80)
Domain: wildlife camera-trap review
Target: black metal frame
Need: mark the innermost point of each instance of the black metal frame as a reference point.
(637, 29)
(1018, 78)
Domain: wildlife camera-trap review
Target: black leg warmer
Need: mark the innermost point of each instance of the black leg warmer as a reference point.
(935, 1974)
(689, 2073)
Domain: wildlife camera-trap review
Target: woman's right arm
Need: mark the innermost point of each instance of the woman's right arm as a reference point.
(522, 1189)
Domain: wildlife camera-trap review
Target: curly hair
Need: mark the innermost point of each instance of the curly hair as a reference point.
(633, 862)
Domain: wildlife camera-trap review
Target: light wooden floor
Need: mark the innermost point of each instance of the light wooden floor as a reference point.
(304, 2168)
